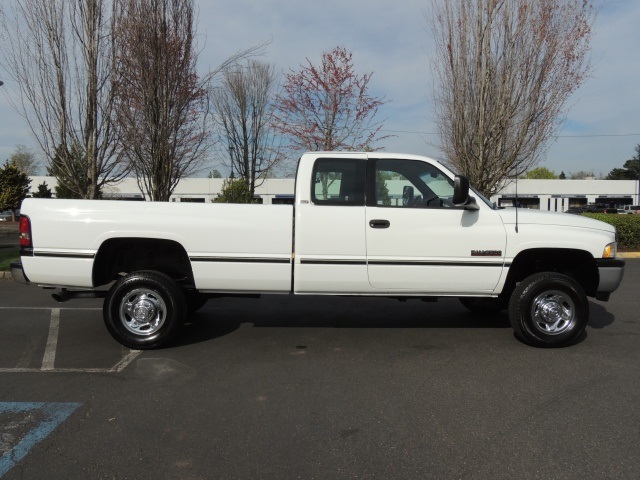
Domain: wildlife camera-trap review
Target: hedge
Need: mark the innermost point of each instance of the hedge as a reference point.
(627, 227)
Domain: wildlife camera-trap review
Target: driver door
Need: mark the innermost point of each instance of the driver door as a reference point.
(419, 242)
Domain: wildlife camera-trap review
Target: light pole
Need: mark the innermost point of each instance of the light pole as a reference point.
(231, 150)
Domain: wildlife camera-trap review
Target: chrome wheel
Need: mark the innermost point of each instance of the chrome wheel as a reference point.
(553, 312)
(143, 311)
(549, 309)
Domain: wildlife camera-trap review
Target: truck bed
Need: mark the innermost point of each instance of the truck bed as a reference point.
(229, 245)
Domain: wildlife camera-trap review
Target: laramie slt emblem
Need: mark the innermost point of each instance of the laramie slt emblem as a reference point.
(486, 253)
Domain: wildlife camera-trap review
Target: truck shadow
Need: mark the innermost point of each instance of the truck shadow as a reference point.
(220, 317)
(599, 316)
(223, 316)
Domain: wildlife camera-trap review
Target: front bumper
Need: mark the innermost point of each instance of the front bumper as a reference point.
(17, 272)
(611, 271)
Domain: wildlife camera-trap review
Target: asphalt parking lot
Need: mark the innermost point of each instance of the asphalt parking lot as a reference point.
(313, 387)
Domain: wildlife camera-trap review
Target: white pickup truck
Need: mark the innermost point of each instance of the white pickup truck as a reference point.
(370, 224)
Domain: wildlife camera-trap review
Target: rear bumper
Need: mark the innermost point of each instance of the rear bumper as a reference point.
(17, 272)
(611, 271)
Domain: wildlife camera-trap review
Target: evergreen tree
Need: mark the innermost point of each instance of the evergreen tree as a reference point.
(14, 187)
(71, 175)
(235, 191)
(43, 191)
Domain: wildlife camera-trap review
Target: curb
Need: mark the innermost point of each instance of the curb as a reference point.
(6, 275)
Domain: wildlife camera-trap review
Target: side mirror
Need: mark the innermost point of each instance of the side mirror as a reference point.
(461, 196)
(460, 191)
(407, 195)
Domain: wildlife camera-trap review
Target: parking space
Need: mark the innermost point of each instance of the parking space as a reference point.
(58, 340)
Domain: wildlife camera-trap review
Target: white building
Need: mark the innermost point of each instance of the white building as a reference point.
(560, 195)
(200, 190)
(552, 195)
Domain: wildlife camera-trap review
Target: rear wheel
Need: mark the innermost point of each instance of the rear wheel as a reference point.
(144, 310)
(548, 310)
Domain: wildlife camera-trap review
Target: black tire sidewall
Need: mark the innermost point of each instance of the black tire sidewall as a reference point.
(521, 303)
(165, 287)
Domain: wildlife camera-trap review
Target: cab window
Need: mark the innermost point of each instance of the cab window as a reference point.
(338, 182)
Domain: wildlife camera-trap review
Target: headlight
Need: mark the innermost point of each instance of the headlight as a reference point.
(610, 250)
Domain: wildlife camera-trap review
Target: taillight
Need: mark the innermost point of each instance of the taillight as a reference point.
(25, 232)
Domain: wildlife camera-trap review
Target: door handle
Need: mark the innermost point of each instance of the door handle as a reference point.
(379, 223)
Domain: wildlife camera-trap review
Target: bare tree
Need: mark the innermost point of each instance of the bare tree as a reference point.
(60, 57)
(328, 107)
(504, 70)
(242, 103)
(25, 160)
(163, 106)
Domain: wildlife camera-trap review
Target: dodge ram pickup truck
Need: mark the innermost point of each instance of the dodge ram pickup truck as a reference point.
(369, 224)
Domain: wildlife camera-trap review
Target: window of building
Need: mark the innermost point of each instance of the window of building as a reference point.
(283, 200)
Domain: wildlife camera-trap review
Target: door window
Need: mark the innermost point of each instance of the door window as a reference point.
(411, 184)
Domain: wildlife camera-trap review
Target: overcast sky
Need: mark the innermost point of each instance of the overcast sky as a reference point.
(391, 39)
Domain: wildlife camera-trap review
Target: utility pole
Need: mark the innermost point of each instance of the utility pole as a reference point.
(231, 150)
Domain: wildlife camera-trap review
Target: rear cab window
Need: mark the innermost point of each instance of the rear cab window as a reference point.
(338, 182)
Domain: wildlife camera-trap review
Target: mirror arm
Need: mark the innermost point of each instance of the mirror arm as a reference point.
(471, 204)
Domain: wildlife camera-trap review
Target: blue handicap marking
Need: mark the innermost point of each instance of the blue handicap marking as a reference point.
(24, 424)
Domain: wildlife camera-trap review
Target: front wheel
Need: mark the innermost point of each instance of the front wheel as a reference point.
(548, 310)
(144, 310)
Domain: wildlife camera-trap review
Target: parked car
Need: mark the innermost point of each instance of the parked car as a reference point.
(592, 209)
(6, 216)
(631, 209)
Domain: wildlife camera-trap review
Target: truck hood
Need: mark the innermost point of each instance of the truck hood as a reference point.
(537, 217)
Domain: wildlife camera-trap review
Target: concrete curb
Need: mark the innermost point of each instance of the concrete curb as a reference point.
(6, 275)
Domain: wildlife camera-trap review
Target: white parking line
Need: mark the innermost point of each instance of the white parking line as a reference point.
(49, 357)
(118, 367)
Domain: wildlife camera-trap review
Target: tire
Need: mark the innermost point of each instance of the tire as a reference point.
(548, 310)
(482, 305)
(144, 310)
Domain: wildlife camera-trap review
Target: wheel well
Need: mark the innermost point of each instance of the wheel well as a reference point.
(577, 264)
(124, 255)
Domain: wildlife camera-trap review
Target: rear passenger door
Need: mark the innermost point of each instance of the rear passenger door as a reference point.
(330, 243)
